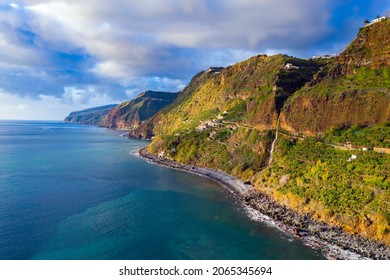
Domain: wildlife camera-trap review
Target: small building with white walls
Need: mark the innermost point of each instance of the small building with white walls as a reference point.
(290, 66)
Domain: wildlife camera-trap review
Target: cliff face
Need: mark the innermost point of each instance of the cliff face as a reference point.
(126, 115)
(251, 92)
(130, 114)
(92, 116)
(222, 119)
(354, 89)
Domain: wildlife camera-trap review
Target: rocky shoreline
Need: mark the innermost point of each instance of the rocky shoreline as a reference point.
(233, 184)
(332, 241)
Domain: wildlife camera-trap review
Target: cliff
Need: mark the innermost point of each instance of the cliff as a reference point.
(353, 90)
(91, 116)
(251, 92)
(130, 114)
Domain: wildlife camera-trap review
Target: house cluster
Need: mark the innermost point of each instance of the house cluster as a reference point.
(207, 124)
(213, 123)
(215, 70)
(378, 19)
(290, 66)
(325, 56)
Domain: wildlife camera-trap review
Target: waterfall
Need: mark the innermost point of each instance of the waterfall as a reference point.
(273, 144)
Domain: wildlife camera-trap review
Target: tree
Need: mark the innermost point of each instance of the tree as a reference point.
(366, 21)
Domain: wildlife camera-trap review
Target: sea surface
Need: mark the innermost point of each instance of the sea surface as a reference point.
(71, 191)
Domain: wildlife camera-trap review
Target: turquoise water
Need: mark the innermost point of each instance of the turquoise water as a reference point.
(75, 192)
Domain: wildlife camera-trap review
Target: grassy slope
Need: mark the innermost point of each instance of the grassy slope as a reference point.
(248, 95)
(251, 91)
(315, 178)
(241, 152)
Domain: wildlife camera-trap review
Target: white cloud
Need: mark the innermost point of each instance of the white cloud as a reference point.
(154, 83)
(47, 107)
(14, 5)
(14, 52)
(137, 45)
(85, 96)
(128, 37)
(113, 69)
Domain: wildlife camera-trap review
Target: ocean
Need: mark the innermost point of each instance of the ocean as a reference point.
(70, 191)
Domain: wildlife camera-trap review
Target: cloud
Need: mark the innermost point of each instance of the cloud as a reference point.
(157, 83)
(135, 38)
(97, 49)
(113, 69)
(16, 49)
(47, 107)
(85, 96)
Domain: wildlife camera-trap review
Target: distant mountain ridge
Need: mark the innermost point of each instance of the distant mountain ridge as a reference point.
(127, 114)
(131, 113)
(91, 116)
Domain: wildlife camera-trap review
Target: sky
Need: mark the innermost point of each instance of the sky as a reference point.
(60, 56)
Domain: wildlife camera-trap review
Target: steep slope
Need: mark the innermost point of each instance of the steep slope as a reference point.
(223, 118)
(91, 116)
(226, 120)
(130, 114)
(251, 92)
(354, 89)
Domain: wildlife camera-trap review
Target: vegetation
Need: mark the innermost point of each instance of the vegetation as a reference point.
(252, 91)
(318, 174)
(241, 152)
(376, 136)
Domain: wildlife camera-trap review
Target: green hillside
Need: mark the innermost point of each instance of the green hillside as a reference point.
(131, 113)
(226, 119)
(251, 92)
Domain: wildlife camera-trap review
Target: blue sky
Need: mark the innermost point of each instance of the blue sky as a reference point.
(60, 56)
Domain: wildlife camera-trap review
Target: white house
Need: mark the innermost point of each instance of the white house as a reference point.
(353, 157)
(290, 66)
(378, 19)
(325, 56)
